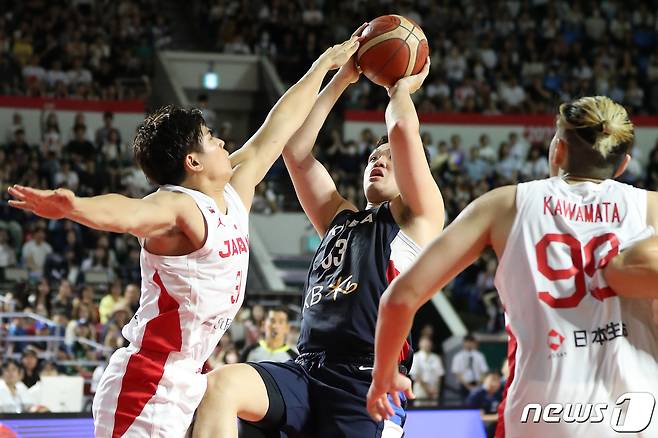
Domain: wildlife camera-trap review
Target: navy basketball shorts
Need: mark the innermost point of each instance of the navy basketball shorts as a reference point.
(318, 399)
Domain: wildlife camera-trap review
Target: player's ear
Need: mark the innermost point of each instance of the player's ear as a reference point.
(622, 167)
(192, 163)
(560, 154)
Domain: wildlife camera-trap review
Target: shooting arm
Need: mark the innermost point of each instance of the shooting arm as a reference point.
(314, 186)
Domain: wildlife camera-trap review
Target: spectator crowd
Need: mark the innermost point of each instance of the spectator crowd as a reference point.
(487, 57)
(98, 49)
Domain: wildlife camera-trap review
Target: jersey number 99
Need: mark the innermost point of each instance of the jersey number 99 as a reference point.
(579, 267)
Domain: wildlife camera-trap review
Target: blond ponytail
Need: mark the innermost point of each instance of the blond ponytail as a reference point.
(602, 123)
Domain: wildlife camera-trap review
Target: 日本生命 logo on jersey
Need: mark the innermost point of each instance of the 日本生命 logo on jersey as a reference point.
(631, 413)
(555, 340)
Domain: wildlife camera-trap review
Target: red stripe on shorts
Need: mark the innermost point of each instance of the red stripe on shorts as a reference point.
(145, 368)
(511, 362)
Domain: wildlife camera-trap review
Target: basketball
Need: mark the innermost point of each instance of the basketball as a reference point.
(392, 47)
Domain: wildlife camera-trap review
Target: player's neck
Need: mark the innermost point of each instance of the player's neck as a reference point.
(574, 179)
(210, 188)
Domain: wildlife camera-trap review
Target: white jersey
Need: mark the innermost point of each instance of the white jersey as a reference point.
(572, 339)
(197, 295)
(152, 387)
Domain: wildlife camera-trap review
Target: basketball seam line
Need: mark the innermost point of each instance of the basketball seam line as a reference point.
(410, 31)
(395, 52)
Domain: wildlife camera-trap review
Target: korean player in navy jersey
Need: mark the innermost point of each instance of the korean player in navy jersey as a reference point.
(323, 392)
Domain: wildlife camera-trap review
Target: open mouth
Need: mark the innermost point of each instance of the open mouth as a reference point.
(377, 172)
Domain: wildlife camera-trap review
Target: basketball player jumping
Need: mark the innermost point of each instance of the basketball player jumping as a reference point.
(574, 342)
(194, 237)
(323, 392)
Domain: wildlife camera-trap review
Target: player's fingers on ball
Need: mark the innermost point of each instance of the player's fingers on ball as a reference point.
(360, 29)
(426, 67)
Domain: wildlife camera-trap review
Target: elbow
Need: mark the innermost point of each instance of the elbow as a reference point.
(398, 300)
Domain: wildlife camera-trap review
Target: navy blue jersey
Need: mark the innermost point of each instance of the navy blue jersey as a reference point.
(357, 259)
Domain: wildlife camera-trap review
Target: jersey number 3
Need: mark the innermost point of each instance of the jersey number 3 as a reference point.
(578, 269)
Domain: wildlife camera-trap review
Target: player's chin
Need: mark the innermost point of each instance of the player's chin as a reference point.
(376, 191)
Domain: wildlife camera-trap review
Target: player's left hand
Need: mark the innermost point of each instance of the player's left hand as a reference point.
(412, 83)
(379, 407)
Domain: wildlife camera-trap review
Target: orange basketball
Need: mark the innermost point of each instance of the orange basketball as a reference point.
(393, 47)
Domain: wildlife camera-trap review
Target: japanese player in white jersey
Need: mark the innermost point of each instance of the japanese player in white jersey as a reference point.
(322, 393)
(194, 237)
(579, 350)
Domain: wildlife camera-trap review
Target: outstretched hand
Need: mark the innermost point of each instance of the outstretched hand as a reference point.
(379, 406)
(51, 204)
(338, 55)
(412, 83)
(351, 71)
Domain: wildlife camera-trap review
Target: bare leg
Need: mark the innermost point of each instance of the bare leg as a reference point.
(233, 390)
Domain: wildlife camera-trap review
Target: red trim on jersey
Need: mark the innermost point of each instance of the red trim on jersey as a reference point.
(511, 362)
(145, 368)
(391, 273)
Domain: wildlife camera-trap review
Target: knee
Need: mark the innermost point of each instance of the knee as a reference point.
(223, 382)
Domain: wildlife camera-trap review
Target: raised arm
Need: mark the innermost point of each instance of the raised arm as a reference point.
(152, 216)
(453, 251)
(253, 160)
(314, 186)
(634, 272)
(419, 193)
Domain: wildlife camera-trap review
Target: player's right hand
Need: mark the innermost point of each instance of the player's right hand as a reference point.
(350, 71)
(336, 56)
(378, 403)
(412, 83)
(51, 204)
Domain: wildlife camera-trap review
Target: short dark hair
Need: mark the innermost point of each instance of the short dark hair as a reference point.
(108, 115)
(469, 338)
(279, 309)
(164, 139)
(11, 361)
(384, 139)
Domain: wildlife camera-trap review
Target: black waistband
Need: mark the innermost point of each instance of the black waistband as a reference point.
(322, 357)
(318, 359)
